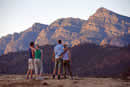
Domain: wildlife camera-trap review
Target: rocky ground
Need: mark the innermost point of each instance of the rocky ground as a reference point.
(20, 81)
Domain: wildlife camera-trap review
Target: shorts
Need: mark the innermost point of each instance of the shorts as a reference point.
(66, 61)
(58, 63)
(30, 64)
(38, 66)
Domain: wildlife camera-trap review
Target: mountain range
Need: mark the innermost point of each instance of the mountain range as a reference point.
(104, 27)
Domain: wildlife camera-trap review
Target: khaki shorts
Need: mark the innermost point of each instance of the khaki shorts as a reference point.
(30, 64)
(38, 66)
(58, 63)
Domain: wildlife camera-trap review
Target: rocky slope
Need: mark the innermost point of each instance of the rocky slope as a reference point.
(104, 27)
(20, 41)
(66, 29)
(3, 42)
(107, 27)
(87, 60)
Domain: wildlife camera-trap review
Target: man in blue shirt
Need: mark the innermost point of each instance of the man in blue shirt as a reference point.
(57, 58)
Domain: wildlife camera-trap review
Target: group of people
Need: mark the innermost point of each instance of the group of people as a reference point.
(61, 57)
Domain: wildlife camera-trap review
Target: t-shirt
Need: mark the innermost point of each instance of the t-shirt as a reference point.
(30, 53)
(66, 56)
(38, 54)
(58, 49)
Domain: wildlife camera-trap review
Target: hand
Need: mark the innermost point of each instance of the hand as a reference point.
(60, 57)
(70, 61)
(53, 60)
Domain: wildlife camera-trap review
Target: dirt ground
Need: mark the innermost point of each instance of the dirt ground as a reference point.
(47, 81)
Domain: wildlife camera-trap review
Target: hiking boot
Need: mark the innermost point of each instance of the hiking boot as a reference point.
(71, 77)
(65, 77)
(27, 78)
(58, 77)
(53, 77)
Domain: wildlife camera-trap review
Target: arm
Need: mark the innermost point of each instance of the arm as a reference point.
(53, 56)
(33, 53)
(62, 54)
(69, 55)
(42, 55)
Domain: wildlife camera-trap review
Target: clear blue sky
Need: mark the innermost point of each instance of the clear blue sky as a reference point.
(18, 15)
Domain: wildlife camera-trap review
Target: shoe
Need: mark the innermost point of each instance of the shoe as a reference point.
(65, 77)
(37, 78)
(53, 77)
(58, 77)
(71, 77)
(27, 78)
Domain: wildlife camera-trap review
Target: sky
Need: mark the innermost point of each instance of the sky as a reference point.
(18, 15)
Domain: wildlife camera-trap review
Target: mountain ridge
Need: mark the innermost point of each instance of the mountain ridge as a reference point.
(103, 27)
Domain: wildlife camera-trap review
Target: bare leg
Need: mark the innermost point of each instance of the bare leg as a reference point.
(69, 69)
(59, 68)
(41, 68)
(59, 71)
(27, 77)
(31, 74)
(64, 69)
(54, 70)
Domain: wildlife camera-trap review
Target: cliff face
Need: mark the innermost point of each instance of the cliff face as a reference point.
(87, 60)
(104, 28)
(21, 41)
(3, 42)
(66, 29)
(107, 26)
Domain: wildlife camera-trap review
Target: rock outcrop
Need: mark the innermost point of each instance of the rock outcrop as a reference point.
(21, 41)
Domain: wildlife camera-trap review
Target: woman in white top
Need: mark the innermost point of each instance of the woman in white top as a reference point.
(67, 61)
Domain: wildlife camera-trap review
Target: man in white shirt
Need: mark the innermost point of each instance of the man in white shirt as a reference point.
(57, 58)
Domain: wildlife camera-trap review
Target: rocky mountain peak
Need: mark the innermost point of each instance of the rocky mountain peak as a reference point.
(103, 27)
(105, 13)
(102, 9)
(37, 24)
(66, 21)
(37, 27)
